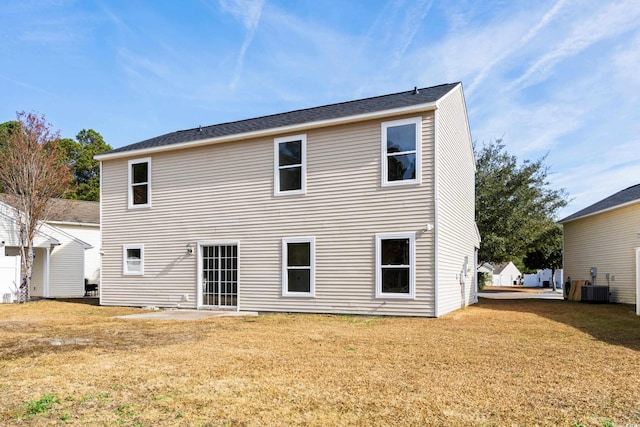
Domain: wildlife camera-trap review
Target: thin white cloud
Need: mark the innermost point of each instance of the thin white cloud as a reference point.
(410, 23)
(548, 17)
(26, 85)
(613, 20)
(395, 27)
(592, 177)
(248, 12)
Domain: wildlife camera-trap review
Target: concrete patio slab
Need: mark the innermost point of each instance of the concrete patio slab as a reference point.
(557, 295)
(181, 314)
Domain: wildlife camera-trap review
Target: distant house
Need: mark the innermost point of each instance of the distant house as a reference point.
(66, 248)
(506, 274)
(602, 245)
(362, 207)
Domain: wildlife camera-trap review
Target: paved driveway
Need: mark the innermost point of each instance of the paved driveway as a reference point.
(508, 292)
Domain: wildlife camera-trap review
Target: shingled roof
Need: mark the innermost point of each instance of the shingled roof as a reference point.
(64, 210)
(627, 196)
(297, 117)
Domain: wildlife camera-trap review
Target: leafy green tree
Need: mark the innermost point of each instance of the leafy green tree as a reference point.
(86, 171)
(546, 252)
(514, 204)
(6, 130)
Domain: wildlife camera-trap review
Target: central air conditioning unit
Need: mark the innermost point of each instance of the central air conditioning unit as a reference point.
(595, 293)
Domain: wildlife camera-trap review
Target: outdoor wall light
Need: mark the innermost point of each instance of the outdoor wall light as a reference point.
(428, 227)
(190, 248)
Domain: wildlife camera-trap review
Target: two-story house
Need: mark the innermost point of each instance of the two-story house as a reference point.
(361, 207)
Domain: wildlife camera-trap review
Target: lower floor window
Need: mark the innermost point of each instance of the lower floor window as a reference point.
(298, 266)
(395, 265)
(133, 260)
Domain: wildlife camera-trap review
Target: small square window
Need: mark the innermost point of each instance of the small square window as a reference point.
(401, 152)
(298, 266)
(290, 165)
(133, 260)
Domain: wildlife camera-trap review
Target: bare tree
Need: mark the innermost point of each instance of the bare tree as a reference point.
(32, 171)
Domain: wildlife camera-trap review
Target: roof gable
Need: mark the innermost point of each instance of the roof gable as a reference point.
(499, 268)
(298, 117)
(621, 198)
(65, 210)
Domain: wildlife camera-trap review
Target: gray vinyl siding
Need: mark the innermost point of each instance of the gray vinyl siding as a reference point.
(225, 192)
(607, 241)
(455, 229)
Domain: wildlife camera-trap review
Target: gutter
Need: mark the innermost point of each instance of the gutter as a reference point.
(623, 205)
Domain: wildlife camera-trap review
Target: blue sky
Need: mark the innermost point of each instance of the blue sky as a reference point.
(548, 76)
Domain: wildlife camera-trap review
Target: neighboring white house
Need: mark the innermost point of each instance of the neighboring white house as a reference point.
(506, 274)
(80, 219)
(542, 278)
(59, 255)
(602, 245)
(362, 207)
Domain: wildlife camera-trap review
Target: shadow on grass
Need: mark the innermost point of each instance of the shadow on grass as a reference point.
(615, 324)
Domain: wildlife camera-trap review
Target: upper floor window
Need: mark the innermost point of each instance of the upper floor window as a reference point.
(395, 265)
(290, 165)
(298, 266)
(140, 183)
(401, 152)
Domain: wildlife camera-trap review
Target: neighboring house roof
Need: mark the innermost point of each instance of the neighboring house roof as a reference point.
(499, 268)
(66, 211)
(485, 268)
(330, 112)
(622, 198)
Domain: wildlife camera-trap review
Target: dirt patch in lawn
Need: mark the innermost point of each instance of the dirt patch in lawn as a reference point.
(501, 362)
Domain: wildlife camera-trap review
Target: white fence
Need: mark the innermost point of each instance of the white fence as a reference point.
(538, 279)
(9, 278)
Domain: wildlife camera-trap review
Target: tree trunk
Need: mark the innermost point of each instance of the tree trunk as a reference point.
(27, 269)
(553, 279)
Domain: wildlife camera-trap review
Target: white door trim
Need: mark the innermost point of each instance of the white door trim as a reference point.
(199, 283)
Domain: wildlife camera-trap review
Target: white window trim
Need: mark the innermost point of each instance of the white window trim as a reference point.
(130, 183)
(276, 165)
(412, 267)
(385, 125)
(285, 267)
(125, 269)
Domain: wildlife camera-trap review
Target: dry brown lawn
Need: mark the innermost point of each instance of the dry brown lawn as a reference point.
(498, 363)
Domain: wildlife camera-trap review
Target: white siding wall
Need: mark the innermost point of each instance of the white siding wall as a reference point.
(225, 192)
(456, 197)
(90, 234)
(607, 241)
(9, 277)
(66, 266)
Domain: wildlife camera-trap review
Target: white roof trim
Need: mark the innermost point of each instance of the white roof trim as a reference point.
(84, 224)
(271, 131)
(84, 244)
(611, 208)
(52, 240)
